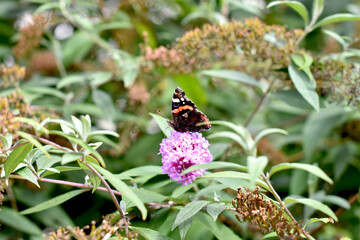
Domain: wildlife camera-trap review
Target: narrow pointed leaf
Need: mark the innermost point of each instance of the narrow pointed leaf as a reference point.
(53, 202)
(215, 209)
(188, 211)
(29, 175)
(231, 75)
(296, 6)
(149, 234)
(35, 142)
(15, 220)
(313, 204)
(303, 166)
(16, 157)
(340, 17)
(123, 188)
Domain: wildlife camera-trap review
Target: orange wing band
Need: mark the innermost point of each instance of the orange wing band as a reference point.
(177, 110)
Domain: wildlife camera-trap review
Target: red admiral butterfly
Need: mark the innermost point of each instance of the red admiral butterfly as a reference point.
(185, 114)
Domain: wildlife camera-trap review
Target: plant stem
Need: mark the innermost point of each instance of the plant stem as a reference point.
(282, 204)
(266, 93)
(109, 190)
(67, 183)
(112, 196)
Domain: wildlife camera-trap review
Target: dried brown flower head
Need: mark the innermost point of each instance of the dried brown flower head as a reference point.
(11, 76)
(268, 217)
(139, 93)
(105, 230)
(265, 147)
(247, 46)
(30, 36)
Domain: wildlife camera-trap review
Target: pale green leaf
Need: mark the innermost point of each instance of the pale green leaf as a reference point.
(220, 231)
(188, 211)
(29, 175)
(215, 165)
(162, 123)
(313, 204)
(303, 166)
(339, 17)
(34, 141)
(149, 234)
(214, 209)
(296, 6)
(123, 188)
(231, 75)
(256, 166)
(304, 86)
(268, 131)
(324, 220)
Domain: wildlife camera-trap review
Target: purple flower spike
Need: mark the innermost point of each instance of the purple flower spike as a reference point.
(182, 150)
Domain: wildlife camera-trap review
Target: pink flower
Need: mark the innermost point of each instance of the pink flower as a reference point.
(182, 150)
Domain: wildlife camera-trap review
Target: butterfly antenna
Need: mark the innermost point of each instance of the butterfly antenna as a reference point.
(158, 111)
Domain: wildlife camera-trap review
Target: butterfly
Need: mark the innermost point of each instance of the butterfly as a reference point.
(185, 114)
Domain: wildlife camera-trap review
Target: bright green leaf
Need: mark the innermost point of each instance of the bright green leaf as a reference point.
(29, 175)
(162, 123)
(256, 166)
(35, 142)
(16, 157)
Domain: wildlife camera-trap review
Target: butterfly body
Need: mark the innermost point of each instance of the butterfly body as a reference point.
(185, 114)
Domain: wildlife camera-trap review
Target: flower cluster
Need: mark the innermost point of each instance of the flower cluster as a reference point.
(250, 46)
(268, 217)
(30, 36)
(338, 80)
(11, 76)
(106, 229)
(182, 150)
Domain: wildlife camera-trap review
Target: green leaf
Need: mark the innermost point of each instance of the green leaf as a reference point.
(220, 231)
(6, 141)
(184, 228)
(47, 6)
(146, 196)
(232, 75)
(45, 91)
(180, 190)
(98, 78)
(215, 165)
(13, 219)
(82, 144)
(16, 157)
(149, 234)
(70, 157)
(103, 100)
(303, 166)
(293, 98)
(317, 9)
(233, 174)
(69, 80)
(270, 236)
(209, 189)
(53, 202)
(230, 135)
(256, 166)
(188, 211)
(324, 220)
(123, 188)
(141, 171)
(101, 132)
(319, 124)
(313, 204)
(35, 124)
(76, 47)
(35, 142)
(304, 86)
(162, 123)
(296, 6)
(268, 131)
(337, 37)
(29, 175)
(214, 209)
(340, 17)
(94, 180)
(236, 128)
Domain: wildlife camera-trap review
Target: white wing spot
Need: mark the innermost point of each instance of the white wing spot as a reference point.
(176, 100)
(185, 115)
